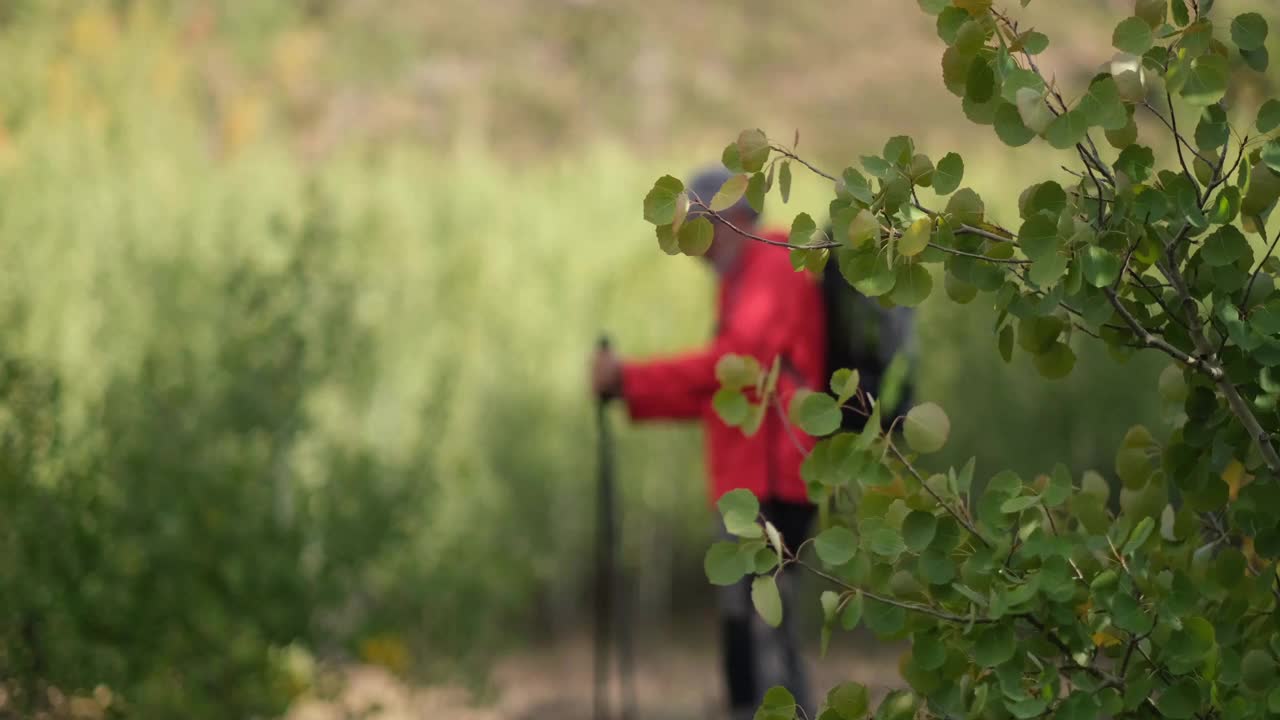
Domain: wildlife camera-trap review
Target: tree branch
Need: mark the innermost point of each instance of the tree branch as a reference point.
(1254, 277)
(1148, 339)
(913, 607)
(1228, 389)
(950, 510)
(787, 153)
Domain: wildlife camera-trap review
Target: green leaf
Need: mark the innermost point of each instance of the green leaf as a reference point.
(948, 174)
(1035, 114)
(1181, 701)
(936, 567)
(802, 229)
(926, 428)
(1067, 129)
(1015, 505)
(850, 700)
(869, 272)
(886, 542)
(1226, 207)
(1101, 266)
(1102, 106)
(723, 564)
(1133, 35)
(1269, 116)
(1180, 14)
(967, 207)
(730, 192)
(844, 383)
(1057, 362)
(1258, 669)
(1034, 42)
(737, 371)
(660, 203)
(757, 188)
(784, 181)
(816, 413)
(913, 285)
(1224, 247)
(767, 601)
(1139, 536)
(933, 7)
(1038, 236)
(667, 240)
(731, 406)
(995, 646)
(915, 238)
(980, 83)
(836, 546)
(1136, 162)
(779, 702)
(1206, 81)
(740, 509)
(1271, 155)
(1010, 128)
(753, 150)
(1006, 343)
(863, 228)
(695, 236)
(852, 614)
(918, 529)
(1249, 31)
(882, 618)
(928, 651)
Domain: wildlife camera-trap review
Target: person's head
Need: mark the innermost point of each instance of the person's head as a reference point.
(727, 245)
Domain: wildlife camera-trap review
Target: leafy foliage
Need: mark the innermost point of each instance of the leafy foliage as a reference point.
(1027, 597)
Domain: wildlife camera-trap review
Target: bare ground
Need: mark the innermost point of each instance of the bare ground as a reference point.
(677, 678)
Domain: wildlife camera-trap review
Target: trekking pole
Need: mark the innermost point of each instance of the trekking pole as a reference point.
(606, 620)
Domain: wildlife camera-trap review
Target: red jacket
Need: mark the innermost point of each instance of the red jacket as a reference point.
(765, 309)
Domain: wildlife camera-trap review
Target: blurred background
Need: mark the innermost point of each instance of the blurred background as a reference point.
(295, 303)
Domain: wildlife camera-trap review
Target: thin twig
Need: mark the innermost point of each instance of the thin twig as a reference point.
(783, 151)
(913, 607)
(1253, 278)
(1149, 339)
(945, 506)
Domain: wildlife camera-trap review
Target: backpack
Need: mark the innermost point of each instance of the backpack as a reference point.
(877, 341)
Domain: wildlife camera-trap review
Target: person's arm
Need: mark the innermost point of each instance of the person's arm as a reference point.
(681, 386)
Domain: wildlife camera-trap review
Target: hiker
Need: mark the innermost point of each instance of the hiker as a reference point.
(765, 310)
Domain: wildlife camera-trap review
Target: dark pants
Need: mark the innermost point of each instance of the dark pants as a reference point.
(757, 657)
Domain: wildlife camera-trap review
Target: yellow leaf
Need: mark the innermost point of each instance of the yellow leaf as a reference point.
(1235, 478)
(1104, 638)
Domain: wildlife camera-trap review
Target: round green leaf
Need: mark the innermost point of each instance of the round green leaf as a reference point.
(740, 509)
(1206, 81)
(967, 207)
(1018, 504)
(1067, 129)
(660, 203)
(850, 700)
(927, 427)
(913, 285)
(936, 567)
(949, 174)
(869, 272)
(723, 564)
(1010, 128)
(980, 84)
(1057, 362)
(1258, 670)
(1269, 116)
(933, 7)
(995, 646)
(1038, 236)
(1224, 247)
(767, 601)
(886, 542)
(852, 614)
(695, 236)
(836, 546)
(667, 240)
(1133, 35)
(915, 238)
(928, 651)
(882, 618)
(753, 150)
(731, 406)
(1101, 266)
(816, 413)
(918, 528)
(1180, 701)
(1249, 31)
(730, 192)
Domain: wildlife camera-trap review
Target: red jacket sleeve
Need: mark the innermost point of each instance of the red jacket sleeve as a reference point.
(680, 387)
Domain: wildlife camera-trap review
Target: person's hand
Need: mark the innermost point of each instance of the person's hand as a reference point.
(606, 374)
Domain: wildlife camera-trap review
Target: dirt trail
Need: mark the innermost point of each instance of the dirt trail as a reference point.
(676, 679)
